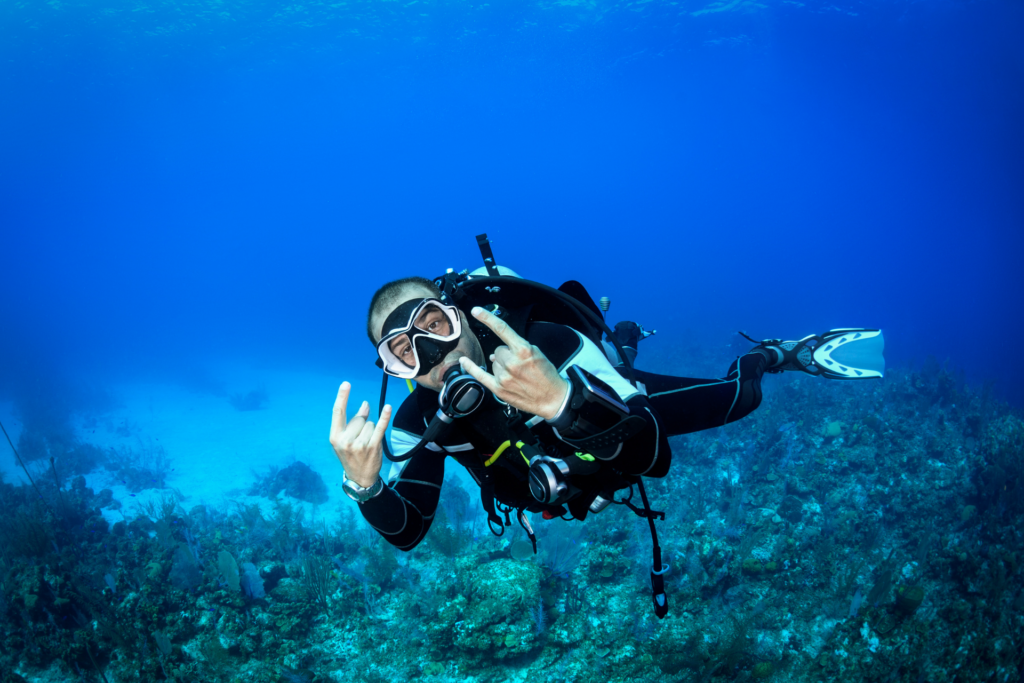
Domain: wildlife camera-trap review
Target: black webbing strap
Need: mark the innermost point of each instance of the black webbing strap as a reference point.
(485, 251)
(657, 576)
(487, 498)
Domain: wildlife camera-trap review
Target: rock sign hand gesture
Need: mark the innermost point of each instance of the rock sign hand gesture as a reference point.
(521, 375)
(357, 443)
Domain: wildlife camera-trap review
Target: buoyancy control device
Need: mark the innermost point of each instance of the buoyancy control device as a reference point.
(519, 301)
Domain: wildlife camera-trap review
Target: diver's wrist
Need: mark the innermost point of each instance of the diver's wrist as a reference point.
(563, 407)
(367, 481)
(362, 477)
(364, 482)
(360, 493)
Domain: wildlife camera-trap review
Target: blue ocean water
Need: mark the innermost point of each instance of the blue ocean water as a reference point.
(183, 183)
(197, 199)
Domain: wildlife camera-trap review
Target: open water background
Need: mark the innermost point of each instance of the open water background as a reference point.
(189, 184)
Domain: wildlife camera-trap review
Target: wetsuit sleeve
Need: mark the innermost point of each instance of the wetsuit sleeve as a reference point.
(646, 453)
(404, 510)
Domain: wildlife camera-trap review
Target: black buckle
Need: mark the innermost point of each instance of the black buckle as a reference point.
(507, 511)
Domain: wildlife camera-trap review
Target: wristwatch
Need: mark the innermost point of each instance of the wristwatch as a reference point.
(361, 494)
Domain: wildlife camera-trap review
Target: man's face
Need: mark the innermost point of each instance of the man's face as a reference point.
(431, 320)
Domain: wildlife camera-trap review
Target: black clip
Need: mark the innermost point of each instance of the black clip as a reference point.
(658, 589)
(506, 510)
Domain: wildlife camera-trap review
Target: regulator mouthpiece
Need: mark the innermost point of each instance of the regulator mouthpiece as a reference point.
(461, 394)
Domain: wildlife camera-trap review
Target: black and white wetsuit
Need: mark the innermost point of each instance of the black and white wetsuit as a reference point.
(404, 510)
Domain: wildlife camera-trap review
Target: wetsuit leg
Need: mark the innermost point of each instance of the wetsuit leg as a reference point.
(689, 405)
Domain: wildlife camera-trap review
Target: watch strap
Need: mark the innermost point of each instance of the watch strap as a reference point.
(361, 494)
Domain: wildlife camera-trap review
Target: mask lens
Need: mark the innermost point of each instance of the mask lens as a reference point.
(434, 321)
(403, 351)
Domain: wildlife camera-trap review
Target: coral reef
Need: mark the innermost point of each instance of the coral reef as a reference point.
(145, 467)
(297, 480)
(861, 532)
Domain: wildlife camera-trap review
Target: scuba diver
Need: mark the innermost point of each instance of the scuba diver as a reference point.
(527, 388)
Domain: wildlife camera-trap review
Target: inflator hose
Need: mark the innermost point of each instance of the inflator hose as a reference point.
(437, 428)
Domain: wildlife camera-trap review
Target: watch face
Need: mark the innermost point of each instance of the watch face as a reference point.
(358, 493)
(353, 491)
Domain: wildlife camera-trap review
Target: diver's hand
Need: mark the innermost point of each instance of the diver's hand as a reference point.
(523, 376)
(358, 443)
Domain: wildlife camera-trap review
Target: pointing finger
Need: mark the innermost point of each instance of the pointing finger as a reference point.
(500, 328)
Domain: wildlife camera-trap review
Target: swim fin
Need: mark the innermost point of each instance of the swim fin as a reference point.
(844, 353)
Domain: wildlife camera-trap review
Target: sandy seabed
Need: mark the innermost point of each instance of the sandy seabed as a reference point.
(215, 451)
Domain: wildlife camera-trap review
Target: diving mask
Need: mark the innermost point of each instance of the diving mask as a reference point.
(418, 335)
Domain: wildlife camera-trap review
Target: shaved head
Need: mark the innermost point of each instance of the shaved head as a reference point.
(388, 297)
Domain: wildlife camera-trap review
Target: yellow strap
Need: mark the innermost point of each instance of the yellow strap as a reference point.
(497, 454)
(411, 387)
(501, 449)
